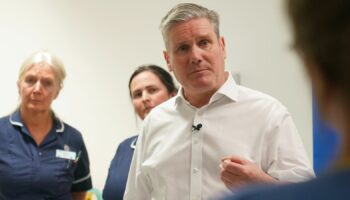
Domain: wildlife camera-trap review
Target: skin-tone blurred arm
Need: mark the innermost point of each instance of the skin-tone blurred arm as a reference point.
(78, 195)
(236, 171)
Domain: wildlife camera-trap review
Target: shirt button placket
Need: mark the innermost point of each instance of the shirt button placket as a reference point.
(196, 159)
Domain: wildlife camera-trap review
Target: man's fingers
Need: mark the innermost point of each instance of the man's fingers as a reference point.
(232, 167)
(232, 183)
(235, 159)
(238, 160)
(228, 175)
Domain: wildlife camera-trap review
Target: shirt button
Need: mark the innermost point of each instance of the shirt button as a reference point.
(195, 170)
(40, 154)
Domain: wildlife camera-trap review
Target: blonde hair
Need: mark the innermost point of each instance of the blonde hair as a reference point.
(44, 57)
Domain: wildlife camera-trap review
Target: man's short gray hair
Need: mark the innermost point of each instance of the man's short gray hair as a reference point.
(185, 12)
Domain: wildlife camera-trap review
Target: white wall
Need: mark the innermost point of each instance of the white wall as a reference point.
(102, 41)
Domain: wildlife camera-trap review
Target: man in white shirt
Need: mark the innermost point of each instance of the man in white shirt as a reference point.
(214, 135)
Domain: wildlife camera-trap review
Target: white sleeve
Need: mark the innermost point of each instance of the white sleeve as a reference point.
(286, 158)
(137, 187)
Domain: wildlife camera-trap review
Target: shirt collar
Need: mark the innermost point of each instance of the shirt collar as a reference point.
(179, 96)
(16, 120)
(228, 89)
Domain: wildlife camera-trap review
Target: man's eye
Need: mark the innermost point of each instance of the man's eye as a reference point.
(182, 48)
(203, 43)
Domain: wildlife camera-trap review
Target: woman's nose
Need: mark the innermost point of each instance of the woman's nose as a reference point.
(37, 86)
(145, 96)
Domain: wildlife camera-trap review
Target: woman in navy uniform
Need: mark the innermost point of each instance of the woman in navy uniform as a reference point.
(149, 86)
(41, 156)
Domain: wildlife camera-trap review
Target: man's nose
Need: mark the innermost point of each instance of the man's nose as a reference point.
(196, 56)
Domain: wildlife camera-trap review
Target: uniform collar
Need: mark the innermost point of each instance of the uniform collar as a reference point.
(133, 143)
(229, 89)
(16, 120)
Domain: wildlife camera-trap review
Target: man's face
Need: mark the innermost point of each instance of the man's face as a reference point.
(196, 56)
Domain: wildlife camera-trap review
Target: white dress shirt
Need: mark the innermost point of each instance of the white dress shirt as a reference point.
(173, 161)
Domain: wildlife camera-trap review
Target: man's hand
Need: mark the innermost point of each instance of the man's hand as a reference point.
(236, 171)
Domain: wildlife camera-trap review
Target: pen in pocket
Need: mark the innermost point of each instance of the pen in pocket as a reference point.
(75, 161)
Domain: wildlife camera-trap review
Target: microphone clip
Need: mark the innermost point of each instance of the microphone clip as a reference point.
(197, 127)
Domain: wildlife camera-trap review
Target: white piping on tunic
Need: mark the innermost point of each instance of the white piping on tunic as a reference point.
(15, 123)
(61, 129)
(82, 179)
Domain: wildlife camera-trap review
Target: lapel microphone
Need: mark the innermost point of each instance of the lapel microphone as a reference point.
(197, 127)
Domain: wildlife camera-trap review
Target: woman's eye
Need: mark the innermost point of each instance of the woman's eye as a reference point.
(152, 90)
(30, 80)
(136, 95)
(47, 83)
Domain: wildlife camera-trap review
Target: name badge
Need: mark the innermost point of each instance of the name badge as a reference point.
(69, 155)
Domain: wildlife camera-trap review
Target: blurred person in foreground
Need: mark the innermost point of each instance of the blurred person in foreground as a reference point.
(322, 39)
(215, 135)
(41, 156)
(149, 86)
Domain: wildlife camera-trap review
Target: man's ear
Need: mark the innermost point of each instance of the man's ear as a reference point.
(166, 57)
(223, 45)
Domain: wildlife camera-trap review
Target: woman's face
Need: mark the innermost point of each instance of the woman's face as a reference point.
(147, 91)
(38, 88)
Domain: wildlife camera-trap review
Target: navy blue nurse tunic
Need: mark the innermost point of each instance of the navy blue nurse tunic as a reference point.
(36, 172)
(119, 170)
